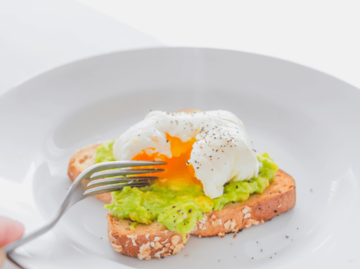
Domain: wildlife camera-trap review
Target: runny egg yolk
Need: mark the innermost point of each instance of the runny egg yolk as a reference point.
(177, 169)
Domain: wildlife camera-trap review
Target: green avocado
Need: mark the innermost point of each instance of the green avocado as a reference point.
(178, 205)
(104, 153)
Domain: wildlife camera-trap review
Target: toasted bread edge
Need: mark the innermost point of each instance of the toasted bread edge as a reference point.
(156, 241)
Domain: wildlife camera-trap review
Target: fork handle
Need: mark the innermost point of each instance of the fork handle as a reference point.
(45, 228)
(71, 198)
(5, 259)
(51, 223)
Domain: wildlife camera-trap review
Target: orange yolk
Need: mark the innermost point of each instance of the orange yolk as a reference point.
(176, 168)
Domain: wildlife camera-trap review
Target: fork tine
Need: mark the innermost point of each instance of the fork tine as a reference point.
(116, 180)
(123, 172)
(110, 188)
(119, 164)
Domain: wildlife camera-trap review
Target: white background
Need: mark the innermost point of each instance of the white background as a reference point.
(322, 34)
(36, 35)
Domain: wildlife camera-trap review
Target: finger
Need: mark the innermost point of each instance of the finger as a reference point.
(2, 258)
(10, 230)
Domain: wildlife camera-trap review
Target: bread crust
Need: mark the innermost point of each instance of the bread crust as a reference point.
(148, 241)
(79, 162)
(278, 198)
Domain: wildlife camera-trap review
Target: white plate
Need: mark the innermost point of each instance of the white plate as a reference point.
(306, 120)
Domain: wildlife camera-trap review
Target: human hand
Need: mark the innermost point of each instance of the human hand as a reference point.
(10, 231)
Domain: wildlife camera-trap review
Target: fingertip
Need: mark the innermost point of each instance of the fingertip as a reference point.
(10, 230)
(19, 229)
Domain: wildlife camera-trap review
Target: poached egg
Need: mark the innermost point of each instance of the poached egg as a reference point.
(205, 148)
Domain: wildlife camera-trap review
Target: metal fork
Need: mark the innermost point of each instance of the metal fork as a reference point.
(98, 175)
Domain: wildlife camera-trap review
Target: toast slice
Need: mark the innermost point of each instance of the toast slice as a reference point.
(154, 240)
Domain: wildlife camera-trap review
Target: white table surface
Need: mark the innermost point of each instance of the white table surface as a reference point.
(36, 35)
(322, 34)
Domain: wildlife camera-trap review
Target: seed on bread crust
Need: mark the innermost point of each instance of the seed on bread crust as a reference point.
(230, 224)
(221, 235)
(117, 247)
(246, 212)
(215, 221)
(175, 239)
(250, 222)
(158, 254)
(178, 248)
(201, 222)
(144, 251)
(158, 245)
(133, 238)
(246, 209)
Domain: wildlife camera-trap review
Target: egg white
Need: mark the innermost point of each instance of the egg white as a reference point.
(223, 151)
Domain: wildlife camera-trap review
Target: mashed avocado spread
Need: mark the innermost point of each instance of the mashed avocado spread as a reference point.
(179, 205)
